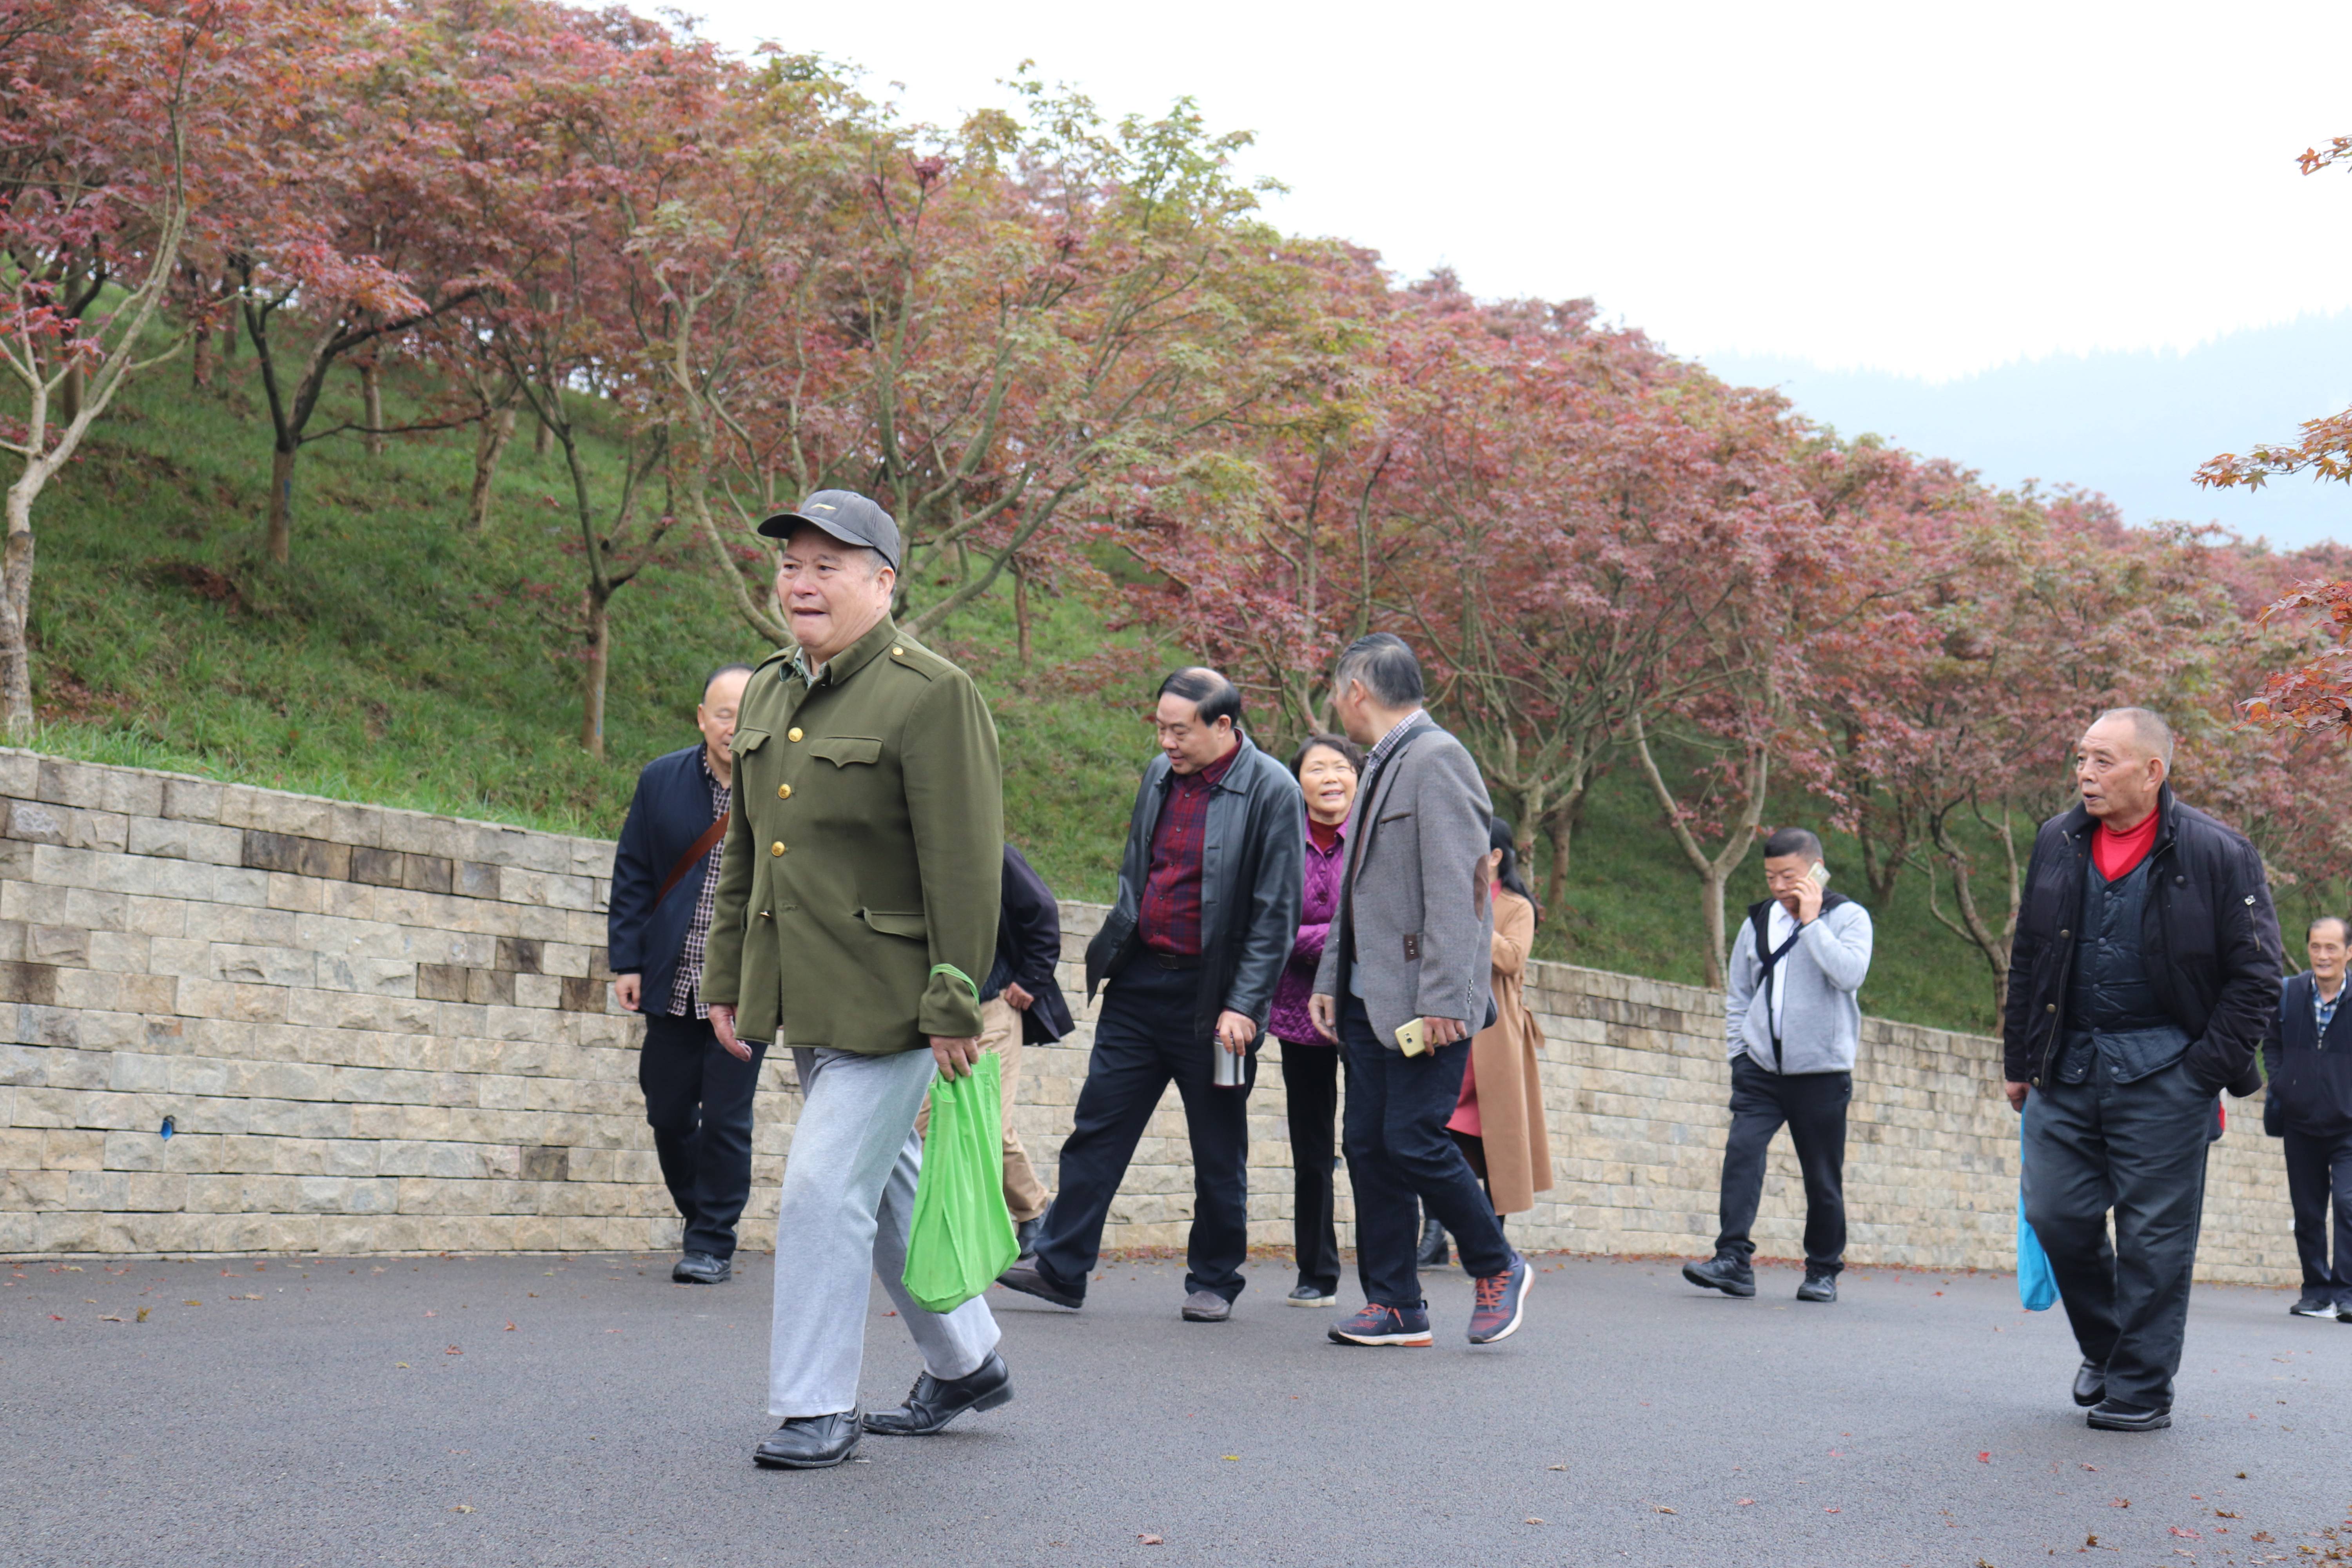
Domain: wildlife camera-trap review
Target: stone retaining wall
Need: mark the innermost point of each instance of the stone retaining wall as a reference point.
(382, 1031)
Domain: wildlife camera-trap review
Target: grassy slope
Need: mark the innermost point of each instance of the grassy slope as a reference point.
(402, 661)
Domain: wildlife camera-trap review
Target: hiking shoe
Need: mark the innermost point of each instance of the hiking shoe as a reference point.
(1377, 1325)
(1501, 1302)
(1724, 1273)
(1818, 1287)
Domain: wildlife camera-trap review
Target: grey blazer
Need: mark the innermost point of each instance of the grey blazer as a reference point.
(1415, 928)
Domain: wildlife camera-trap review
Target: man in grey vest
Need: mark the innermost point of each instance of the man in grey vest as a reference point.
(1793, 1022)
(2143, 973)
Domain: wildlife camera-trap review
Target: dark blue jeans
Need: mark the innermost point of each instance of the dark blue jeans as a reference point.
(2136, 1148)
(699, 1103)
(1400, 1161)
(1144, 1041)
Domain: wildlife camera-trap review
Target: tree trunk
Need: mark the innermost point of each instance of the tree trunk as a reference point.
(592, 672)
(202, 356)
(489, 445)
(281, 540)
(1560, 826)
(15, 615)
(542, 440)
(372, 396)
(69, 393)
(1021, 611)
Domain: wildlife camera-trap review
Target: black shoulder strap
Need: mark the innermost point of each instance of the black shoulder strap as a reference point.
(1769, 958)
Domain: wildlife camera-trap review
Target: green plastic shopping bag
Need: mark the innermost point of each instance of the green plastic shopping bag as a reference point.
(961, 1238)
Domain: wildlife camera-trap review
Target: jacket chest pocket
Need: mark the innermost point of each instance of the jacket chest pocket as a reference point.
(847, 751)
(745, 741)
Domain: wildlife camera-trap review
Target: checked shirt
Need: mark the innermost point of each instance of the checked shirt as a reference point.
(684, 990)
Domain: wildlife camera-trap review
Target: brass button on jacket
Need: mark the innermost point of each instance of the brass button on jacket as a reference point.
(793, 733)
(777, 848)
(784, 792)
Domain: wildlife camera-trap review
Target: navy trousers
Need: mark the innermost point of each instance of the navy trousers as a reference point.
(1400, 1159)
(1144, 1041)
(2318, 1171)
(2138, 1148)
(699, 1103)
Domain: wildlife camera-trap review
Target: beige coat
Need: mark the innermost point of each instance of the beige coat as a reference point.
(1507, 1059)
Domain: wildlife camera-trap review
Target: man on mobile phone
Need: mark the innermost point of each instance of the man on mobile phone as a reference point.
(1791, 1022)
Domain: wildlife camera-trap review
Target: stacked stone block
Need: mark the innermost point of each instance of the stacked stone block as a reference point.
(384, 1031)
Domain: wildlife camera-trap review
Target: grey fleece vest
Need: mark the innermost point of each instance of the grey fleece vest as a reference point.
(2111, 1002)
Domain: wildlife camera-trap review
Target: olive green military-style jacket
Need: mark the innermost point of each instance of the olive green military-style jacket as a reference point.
(864, 852)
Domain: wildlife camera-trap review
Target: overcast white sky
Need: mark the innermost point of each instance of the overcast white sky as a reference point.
(1928, 190)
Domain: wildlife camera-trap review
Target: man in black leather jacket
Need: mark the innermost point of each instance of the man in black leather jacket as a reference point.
(1208, 908)
(2144, 971)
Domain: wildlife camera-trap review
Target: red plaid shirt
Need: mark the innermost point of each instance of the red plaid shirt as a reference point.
(1170, 916)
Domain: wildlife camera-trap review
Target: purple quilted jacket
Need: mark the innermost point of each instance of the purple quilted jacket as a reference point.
(1288, 1022)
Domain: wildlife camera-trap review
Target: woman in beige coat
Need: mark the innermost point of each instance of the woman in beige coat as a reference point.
(1500, 1121)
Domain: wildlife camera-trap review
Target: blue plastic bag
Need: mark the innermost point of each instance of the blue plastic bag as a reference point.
(2037, 1285)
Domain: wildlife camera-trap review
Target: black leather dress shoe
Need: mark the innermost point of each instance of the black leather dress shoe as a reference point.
(2108, 1417)
(810, 1442)
(934, 1402)
(1432, 1252)
(1030, 1281)
(702, 1268)
(2090, 1384)
(1024, 1236)
(1725, 1274)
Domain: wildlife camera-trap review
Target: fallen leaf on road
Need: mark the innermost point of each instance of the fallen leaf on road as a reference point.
(511, 1328)
(2186, 1534)
(1532, 1519)
(1985, 1458)
(1232, 1455)
(1660, 1508)
(55, 1319)
(104, 1319)
(142, 1314)
(400, 1363)
(1149, 1539)
(191, 1303)
(1833, 1511)
(2090, 1467)
(453, 1350)
(2091, 1540)
(1747, 1502)
(463, 1508)
(1555, 1466)
(2121, 1502)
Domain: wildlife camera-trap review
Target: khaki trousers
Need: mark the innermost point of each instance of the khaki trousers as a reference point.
(1000, 1033)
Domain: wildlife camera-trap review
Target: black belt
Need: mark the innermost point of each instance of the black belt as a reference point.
(1172, 960)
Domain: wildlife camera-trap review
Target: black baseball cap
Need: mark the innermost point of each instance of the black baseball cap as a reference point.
(847, 516)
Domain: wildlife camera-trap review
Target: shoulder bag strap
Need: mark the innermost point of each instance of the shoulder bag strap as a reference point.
(700, 847)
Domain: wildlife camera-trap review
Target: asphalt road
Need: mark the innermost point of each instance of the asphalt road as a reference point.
(585, 1411)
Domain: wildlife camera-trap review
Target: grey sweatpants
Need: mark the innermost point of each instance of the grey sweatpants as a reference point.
(849, 1198)
(2136, 1148)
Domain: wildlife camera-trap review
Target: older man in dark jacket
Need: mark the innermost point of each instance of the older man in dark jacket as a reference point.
(1208, 907)
(2307, 1065)
(2145, 970)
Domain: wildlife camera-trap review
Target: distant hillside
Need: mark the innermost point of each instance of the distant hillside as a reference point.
(2134, 425)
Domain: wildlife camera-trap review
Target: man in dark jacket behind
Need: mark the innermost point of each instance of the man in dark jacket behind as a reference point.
(664, 876)
(1208, 907)
(2144, 972)
(2307, 1063)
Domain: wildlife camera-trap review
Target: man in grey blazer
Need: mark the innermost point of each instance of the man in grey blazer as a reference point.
(1408, 963)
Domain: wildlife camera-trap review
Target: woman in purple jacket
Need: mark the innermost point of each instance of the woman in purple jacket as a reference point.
(1326, 767)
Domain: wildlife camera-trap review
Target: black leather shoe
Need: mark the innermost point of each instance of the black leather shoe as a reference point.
(810, 1442)
(1818, 1287)
(1207, 1306)
(1725, 1274)
(1030, 1281)
(1432, 1253)
(702, 1268)
(2090, 1384)
(934, 1402)
(1024, 1236)
(2108, 1417)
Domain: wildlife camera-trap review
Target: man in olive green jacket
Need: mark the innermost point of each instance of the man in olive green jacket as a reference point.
(857, 901)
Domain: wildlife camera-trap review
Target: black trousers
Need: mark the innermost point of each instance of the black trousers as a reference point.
(699, 1103)
(2138, 1148)
(1310, 1077)
(2318, 1171)
(1144, 1041)
(1401, 1160)
(1813, 1105)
